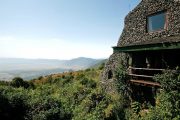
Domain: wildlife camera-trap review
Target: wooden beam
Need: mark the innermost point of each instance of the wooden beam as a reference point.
(145, 83)
(148, 47)
(150, 69)
(130, 60)
(136, 75)
(148, 61)
(130, 63)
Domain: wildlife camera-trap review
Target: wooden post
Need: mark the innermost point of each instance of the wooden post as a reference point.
(130, 63)
(148, 62)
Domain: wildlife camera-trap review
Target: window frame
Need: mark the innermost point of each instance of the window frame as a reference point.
(157, 13)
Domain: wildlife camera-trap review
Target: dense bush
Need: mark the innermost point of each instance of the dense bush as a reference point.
(4, 83)
(169, 80)
(13, 103)
(88, 83)
(46, 109)
(168, 100)
(122, 83)
(19, 82)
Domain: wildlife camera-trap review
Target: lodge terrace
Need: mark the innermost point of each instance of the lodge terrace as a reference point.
(148, 45)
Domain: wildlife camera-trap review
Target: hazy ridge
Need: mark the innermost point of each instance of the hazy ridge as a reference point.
(32, 68)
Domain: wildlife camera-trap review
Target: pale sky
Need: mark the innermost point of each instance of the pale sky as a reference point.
(61, 29)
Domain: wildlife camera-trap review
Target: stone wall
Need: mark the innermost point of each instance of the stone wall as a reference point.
(114, 61)
(135, 29)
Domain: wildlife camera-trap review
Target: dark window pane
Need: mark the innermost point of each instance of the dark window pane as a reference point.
(156, 22)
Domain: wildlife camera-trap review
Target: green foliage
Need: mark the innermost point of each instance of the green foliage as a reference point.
(46, 108)
(92, 107)
(87, 70)
(136, 107)
(19, 82)
(4, 83)
(13, 103)
(88, 83)
(169, 80)
(122, 82)
(78, 96)
(167, 107)
(68, 79)
(168, 101)
(49, 79)
(101, 67)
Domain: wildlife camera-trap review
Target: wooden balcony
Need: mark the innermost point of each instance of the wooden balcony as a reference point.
(145, 79)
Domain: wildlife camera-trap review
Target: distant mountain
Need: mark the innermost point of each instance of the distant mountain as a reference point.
(81, 63)
(31, 68)
(9, 64)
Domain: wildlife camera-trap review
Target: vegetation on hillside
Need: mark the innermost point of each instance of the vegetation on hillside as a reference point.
(71, 95)
(79, 96)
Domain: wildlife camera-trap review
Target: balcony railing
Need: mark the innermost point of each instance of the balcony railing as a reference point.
(144, 76)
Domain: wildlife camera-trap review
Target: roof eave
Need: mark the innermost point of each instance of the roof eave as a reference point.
(147, 47)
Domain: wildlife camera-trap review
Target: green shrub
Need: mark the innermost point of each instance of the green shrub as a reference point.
(88, 83)
(13, 103)
(136, 107)
(122, 83)
(92, 107)
(46, 109)
(4, 83)
(68, 79)
(168, 100)
(87, 70)
(169, 80)
(101, 67)
(19, 82)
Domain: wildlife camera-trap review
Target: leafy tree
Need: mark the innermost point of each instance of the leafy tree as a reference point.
(19, 82)
(13, 105)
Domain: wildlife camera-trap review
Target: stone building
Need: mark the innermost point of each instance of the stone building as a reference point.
(149, 43)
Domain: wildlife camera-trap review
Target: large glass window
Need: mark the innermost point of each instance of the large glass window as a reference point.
(156, 22)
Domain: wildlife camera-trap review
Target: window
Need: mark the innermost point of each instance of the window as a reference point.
(156, 22)
(110, 74)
